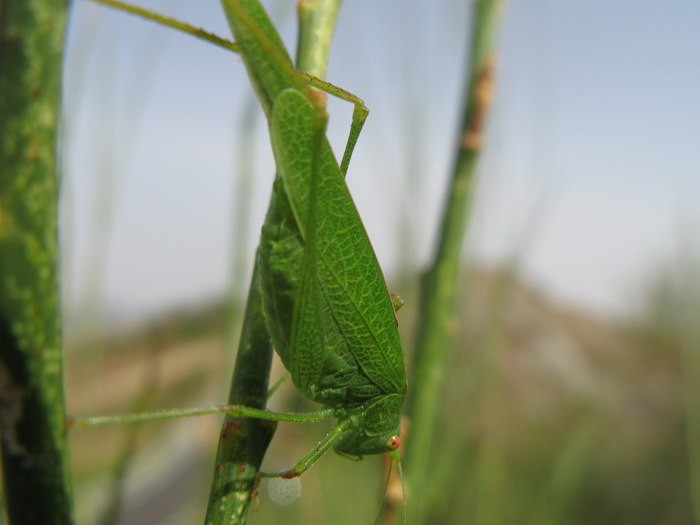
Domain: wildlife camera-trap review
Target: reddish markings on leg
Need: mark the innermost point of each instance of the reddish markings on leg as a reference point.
(229, 425)
(290, 474)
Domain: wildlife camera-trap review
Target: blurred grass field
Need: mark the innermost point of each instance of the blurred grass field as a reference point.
(549, 416)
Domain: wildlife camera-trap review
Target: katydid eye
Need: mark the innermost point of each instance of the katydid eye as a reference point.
(393, 442)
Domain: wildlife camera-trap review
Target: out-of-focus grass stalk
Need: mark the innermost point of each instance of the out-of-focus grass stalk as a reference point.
(241, 224)
(112, 510)
(487, 347)
(572, 462)
(490, 464)
(243, 200)
(688, 312)
(243, 441)
(439, 286)
(35, 451)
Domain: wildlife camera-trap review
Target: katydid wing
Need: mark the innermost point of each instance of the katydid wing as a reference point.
(344, 349)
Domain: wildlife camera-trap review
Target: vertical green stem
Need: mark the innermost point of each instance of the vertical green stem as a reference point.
(689, 335)
(32, 404)
(244, 441)
(242, 204)
(316, 24)
(438, 291)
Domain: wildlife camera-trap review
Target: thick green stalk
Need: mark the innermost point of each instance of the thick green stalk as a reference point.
(689, 335)
(35, 455)
(439, 287)
(316, 24)
(244, 441)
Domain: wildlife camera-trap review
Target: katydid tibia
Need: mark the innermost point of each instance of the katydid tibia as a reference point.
(328, 310)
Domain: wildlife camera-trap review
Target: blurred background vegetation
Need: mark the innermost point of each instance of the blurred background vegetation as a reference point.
(573, 386)
(550, 415)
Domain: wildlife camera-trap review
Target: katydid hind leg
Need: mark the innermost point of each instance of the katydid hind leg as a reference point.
(359, 115)
(173, 23)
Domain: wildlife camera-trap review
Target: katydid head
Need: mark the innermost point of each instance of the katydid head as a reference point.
(355, 443)
(377, 430)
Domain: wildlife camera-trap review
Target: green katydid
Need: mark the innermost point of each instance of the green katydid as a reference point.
(329, 313)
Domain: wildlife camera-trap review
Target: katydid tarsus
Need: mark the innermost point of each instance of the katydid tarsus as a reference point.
(328, 310)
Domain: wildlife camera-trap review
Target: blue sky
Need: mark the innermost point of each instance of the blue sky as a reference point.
(589, 175)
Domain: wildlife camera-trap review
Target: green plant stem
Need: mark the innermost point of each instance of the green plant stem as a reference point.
(438, 291)
(687, 313)
(35, 455)
(691, 405)
(244, 441)
(246, 130)
(316, 24)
